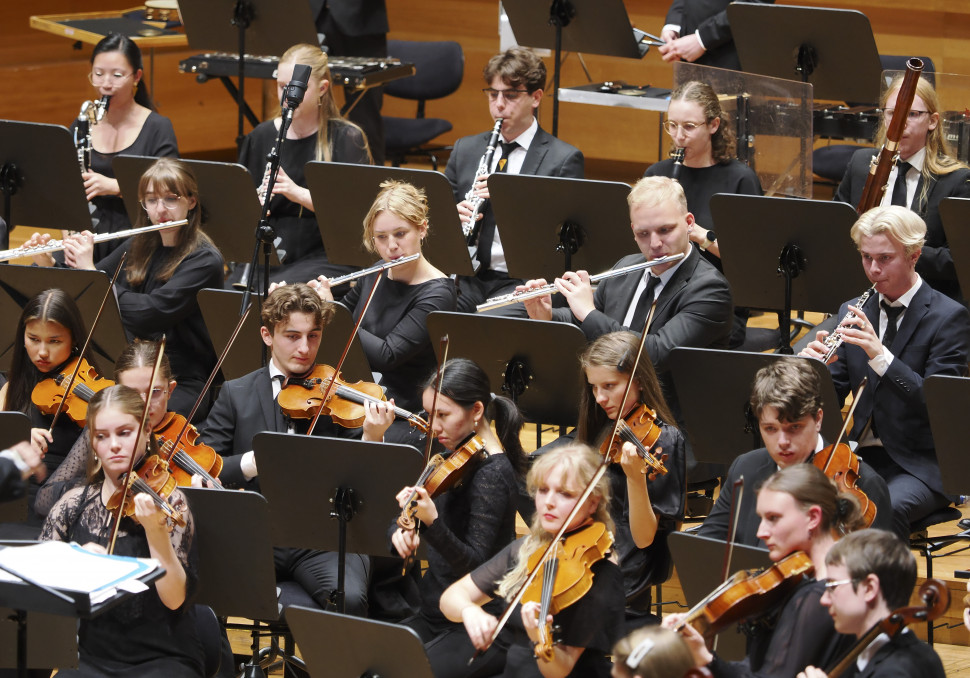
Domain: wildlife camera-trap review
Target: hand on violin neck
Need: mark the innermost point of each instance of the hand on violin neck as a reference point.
(426, 511)
(633, 465)
(378, 417)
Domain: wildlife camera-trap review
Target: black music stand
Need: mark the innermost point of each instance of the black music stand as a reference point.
(955, 214)
(833, 49)
(335, 478)
(550, 225)
(693, 557)
(14, 428)
(219, 310)
(356, 647)
(533, 362)
(768, 242)
(348, 191)
(594, 27)
(263, 27)
(27, 175)
(18, 284)
(227, 194)
(945, 398)
(714, 387)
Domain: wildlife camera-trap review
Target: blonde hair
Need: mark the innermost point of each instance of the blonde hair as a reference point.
(124, 399)
(900, 223)
(653, 191)
(658, 653)
(808, 486)
(577, 464)
(316, 59)
(401, 199)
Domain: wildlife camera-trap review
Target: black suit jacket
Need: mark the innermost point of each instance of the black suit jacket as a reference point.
(935, 264)
(902, 657)
(709, 18)
(933, 338)
(757, 466)
(354, 17)
(245, 407)
(12, 485)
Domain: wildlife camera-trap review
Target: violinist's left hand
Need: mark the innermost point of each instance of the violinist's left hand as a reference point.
(633, 466)
(812, 672)
(530, 620)
(427, 512)
(150, 517)
(695, 641)
(378, 417)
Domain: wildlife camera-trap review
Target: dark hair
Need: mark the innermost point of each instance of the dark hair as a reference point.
(880, 553)
(466, 383)
(115, 42)
(617, 350)
(166, 175)
(809, 487)
(723, 141)
(294, 298)
(125, 399)
(142, 354)
(791, 386)
(517, 67)
(50, 305)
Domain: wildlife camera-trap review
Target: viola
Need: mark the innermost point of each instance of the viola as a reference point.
(640, 428)
(748, 593)
(48, 393)
(566, 577)
(191, 457)
(301, 398)
(441, 474)
(154, 479)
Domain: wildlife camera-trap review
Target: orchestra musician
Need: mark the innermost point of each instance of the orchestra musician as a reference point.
(471, 522)
(688, 301)
(800, 510)
(870, 574)
(163, 272)
(588, 627)
(293, 319)
(931, 174)
(699, 31)
(152, 634)
(652, 652)
(50, 333)
(786, 397)
(394, 333)
(515, 81)
(317, 132)
(906, 333)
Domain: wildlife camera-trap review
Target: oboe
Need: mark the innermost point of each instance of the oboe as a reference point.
(471, 229)
(92, 112)
(678, 156)
(834, 340)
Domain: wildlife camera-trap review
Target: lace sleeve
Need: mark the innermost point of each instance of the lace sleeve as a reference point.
(68, 475)
(183, 541)
(63, 515)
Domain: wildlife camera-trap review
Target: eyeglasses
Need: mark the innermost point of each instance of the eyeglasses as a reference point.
(688, 127)
(169, 201)
(97, 77)
(829, 585)
(158, 394)
(913, 115)
(509, 95)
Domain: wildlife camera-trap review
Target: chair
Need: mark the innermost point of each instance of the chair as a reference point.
(439, 68)
(926, 546)
(830, 162)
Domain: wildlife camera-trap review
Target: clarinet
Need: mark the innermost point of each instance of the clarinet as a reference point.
(678, 156)
(92, 112)
(834, 340)
(472, 228)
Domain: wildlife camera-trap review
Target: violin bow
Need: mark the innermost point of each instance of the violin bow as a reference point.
(343, 356)
(208, 385)
(848, 416)
(87, 341)
(131, 462)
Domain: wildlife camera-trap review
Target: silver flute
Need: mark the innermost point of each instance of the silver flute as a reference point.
(376, 268)
(484, 167)
(516, 297)
(57, 245)
(834, 340)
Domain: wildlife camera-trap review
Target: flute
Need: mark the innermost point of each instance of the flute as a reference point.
(515, 297)
(376, 268)
(57, 245)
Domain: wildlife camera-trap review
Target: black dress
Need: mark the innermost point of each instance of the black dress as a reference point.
(139, 637)
(594, 622)
(156, 139)
(394, 333)
(304, 257)
(154, 308)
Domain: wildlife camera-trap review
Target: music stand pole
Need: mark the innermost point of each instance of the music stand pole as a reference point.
(561, 13)
(242, 17)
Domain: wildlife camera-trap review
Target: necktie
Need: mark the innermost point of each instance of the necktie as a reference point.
(899, 188)
(644, 303)
(892, 314)
(487, 236)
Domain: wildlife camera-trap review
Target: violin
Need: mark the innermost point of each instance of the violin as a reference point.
(153, 478)
(48, 393)
(748, 593)
(841, 464)
(936, 600)
(639, 428)
(301, 398)
(566, 577)
(441, 474)
(191, 457)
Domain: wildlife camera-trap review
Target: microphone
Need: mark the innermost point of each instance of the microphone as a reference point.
(296, 89)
